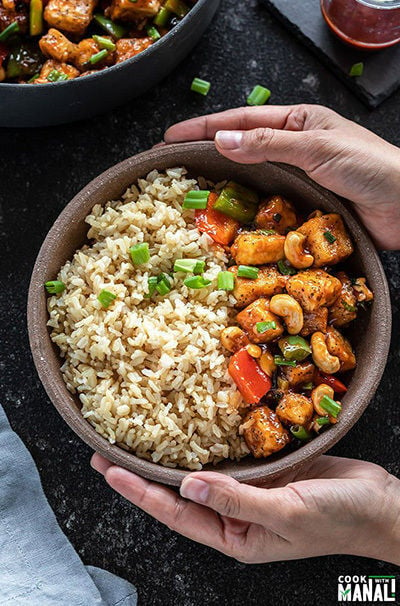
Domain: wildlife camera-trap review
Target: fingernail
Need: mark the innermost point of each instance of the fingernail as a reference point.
(229, 139)
(195, 490)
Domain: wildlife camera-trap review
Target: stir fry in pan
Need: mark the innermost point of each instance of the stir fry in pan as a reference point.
(295, 300)
(44, 41)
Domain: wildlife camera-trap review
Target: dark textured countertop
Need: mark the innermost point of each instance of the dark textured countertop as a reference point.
(40, 170)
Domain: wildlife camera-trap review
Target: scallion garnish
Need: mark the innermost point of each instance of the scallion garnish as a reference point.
(285, 268)
(104, 42)
(162, 17)
(333, 408)
(323, 421)
(189, 266)
(349, 307)
(106, 298)
(196, 282)
(117, 31)
(13, 28)
(246, 271)
(279, 361)
(97, 57)
(328, 235)
(196, 199)
(357, 69)
(200, 86)
(264, 326)
(140, 253)
(266, 232)
(152, 285)
(163, 286)
(54, 287)
(226, 280)
(56, 76)
(153, 32)
(258, 96)
(307, 386)
(300, 432)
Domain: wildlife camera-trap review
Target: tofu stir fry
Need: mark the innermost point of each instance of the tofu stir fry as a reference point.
(44, 41)
(295, 301)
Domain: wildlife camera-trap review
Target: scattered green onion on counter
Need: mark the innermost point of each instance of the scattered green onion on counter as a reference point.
(196, 199)
(189, 266)
(104, 42)
(106, 298)
(196, 282)
(357, 69)
(200, 86)
(54, 287)
(300, 432)
(332, 408)
(140, 253)
(246, 271)
(264, 326)
(258, 96)
(225, 280)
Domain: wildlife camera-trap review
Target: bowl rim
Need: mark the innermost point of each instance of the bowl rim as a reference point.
(153, 48)
(62, 398)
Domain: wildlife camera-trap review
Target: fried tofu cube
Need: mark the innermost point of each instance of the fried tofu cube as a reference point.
(327, 239)
(339, 346)
(86, 49)
(56, 46)
(269, 282)
(126, 10)
(263, 432)
(130, 47)
(315, 321)
(277, 213)
(50, 66)
(295, 409)
(313, 288)
(344, 309)
(256, 248)
(256, 312)
(298, 375)
(73, 17)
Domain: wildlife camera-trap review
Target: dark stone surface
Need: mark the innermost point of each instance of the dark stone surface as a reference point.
(381, 69)
(40, 171)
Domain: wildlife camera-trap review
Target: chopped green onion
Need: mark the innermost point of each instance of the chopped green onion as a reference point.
(34, 77)
(140, 253)
(200, 86)
(196, 199)
(56, 76)
(117, 31)
(103, 42)
(258, 96)
(277, 217)
(295, 348)
(308, 386)
(238, 202)
(163, 286)
(279, 361)
(357, 69)
(349, 307)
(153, 32)
(13, 28)
(246, 271)
(300, 432)
(323, 421)
(189, 265)
(36, 17)
(54, 287)
(162, 17)
(196, 282)
(226, 280)
(285, 268)
(333, 408)
(177, 6)
(152, 286)
(97, 57)
(328, 235)
(264, 326)
(266, 232)
(106, 298)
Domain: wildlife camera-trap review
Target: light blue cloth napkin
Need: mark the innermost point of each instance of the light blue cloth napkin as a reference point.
(38, 565)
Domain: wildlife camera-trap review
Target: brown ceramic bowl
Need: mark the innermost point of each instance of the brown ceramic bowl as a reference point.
(370, 334)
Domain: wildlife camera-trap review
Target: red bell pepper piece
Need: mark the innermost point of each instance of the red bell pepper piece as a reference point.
(221, 228)
(337, 386)
(251, 381)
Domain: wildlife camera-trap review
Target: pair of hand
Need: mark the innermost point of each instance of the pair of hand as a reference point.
(333, 505)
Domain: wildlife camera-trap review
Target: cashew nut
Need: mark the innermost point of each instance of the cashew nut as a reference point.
(267, 363)
(234, 338)
(316, 396)
(254, 350)
(321, 356)
(290, 310)
(294, 249)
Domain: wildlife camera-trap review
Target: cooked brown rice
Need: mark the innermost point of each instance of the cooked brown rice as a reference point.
(151, 374)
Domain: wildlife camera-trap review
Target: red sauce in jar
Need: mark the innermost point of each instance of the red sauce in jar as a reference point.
(367, 24)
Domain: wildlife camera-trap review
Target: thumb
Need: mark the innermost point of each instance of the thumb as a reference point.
(229, 498)
(262, 144)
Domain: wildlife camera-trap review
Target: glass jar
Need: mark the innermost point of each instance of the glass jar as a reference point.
(367, 24)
